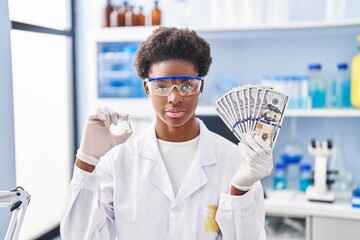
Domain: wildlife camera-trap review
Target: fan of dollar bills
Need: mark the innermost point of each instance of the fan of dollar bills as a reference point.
(253, 109)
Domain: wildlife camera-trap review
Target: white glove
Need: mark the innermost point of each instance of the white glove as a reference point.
(257, 163)
(97, 138)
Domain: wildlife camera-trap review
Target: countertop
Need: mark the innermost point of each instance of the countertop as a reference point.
(294, 203)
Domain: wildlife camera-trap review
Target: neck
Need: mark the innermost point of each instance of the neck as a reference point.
(186, 132)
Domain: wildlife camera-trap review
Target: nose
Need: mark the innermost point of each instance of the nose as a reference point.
(174, 96)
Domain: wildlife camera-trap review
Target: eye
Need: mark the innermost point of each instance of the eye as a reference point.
(161, 86)
(186, 87)
(189, 85)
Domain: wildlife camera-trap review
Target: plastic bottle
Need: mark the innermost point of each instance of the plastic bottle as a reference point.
(280, 176)
(305, 177)
(156, 15)
(340, 89)
(317, 86)
(355, 78)
(108, 9)
(303, 92)
(355, 199)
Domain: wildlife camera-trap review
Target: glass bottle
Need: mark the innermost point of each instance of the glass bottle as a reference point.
(106, 13)
(156, 15)
(114, 17)
(305, 177)
(280, 176)
(117, 17)
(317, 86)
(130, 17)
(355, 78)
(141, 17)
(122, 14)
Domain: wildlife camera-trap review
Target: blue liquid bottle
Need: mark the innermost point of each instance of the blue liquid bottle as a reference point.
(280, 176)
(317, 86)
(355, 200)
(305, 177)
(340, 87)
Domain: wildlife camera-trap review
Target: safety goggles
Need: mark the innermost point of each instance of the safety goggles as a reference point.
(163, 86)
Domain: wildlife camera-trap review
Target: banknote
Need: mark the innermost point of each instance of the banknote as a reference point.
(254, 109)
(271, 115)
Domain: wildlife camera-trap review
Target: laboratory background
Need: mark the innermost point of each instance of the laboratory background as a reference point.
(62, 59)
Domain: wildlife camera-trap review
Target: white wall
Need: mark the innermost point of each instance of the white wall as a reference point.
(7, 151)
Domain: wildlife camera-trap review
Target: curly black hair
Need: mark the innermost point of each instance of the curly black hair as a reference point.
(170, 43)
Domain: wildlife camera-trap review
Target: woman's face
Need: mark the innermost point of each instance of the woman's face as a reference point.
(174, 110)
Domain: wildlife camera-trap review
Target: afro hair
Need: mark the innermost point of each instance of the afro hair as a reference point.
(170, 43)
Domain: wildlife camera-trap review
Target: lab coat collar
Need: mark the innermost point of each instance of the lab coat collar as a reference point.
(196, 176)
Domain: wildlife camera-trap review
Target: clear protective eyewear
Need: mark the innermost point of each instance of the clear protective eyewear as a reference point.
(163, 86)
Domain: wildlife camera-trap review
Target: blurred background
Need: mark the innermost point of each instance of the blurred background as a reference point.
(61, 59)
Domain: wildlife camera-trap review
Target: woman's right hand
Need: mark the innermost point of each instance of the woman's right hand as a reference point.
(97, 139)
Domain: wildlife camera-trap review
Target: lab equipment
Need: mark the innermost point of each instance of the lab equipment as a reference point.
(163, 86)
(305, 176)
(116, 75)
(280, 176)
(355, 200)
(355, 78)
(156, 14)
(19, 200)
(126, 126)
(296, 86)
(292, 153)
(317, 87)
(340, 87)
(319, 192)
(106, 13)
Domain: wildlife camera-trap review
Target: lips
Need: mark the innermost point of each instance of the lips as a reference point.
(175, 112)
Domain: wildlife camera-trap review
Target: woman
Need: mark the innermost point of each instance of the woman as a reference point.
(175, 179)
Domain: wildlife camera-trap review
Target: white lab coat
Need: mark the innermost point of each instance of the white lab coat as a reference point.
(129, 195)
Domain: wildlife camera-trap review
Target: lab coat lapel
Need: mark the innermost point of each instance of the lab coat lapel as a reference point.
(157, 173)
(196, 176)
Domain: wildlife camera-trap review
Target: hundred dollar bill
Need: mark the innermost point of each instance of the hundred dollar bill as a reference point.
(242, 106)
(236, 108)
(224, 118)
(253, 109)
(268, 121)
(256, 98)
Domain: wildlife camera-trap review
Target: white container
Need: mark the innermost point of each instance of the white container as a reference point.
(232, 13)
(277, 12)
(335, 10)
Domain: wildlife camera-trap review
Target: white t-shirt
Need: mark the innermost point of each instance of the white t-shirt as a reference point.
(178, 157)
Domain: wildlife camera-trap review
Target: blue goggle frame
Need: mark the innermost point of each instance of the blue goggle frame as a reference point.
(174, 78)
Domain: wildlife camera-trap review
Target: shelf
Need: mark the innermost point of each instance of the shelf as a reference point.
(139, 33)
(283, 26)
(257, 27)
(210, 111)
(322, 113)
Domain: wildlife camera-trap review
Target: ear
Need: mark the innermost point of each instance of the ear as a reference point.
(146, 88)
(202, 86)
